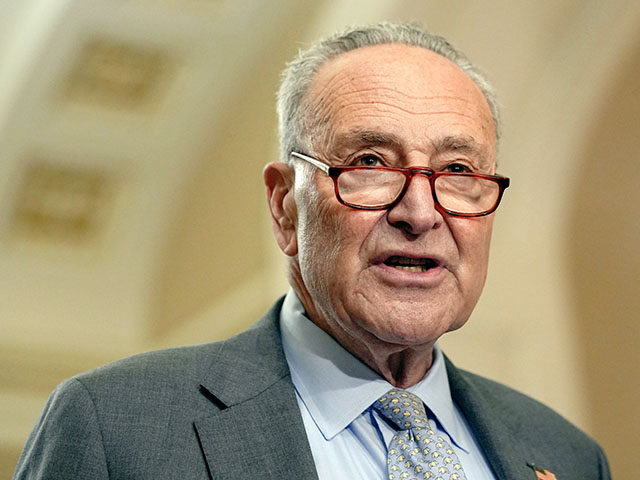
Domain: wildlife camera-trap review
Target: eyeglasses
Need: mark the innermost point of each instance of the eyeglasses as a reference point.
(380, 188)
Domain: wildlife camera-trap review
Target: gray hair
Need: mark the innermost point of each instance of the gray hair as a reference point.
(299, 73)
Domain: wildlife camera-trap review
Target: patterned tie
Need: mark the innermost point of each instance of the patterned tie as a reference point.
(416, 451)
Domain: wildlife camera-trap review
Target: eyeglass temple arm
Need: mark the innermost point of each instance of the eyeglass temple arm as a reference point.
(316, 163)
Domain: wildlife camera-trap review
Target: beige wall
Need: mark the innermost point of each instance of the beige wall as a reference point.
(182, 251)
(604, 264)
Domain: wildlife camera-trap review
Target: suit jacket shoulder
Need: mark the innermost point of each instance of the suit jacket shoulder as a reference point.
(516, 431)
(186, 413)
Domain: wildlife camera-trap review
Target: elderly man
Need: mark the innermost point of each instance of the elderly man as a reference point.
(383, 202)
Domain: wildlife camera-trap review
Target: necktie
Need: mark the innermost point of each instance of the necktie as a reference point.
(416, 451)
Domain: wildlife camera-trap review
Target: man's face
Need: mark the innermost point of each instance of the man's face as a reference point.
(399, 277)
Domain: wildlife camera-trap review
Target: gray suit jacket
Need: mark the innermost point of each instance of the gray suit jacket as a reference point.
(228, 410)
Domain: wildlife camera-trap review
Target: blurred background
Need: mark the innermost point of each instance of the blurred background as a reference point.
(132, 213)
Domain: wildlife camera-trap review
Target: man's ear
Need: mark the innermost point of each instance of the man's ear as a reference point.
(278, 178)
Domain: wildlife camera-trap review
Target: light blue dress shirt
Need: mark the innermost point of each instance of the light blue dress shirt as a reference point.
(335, 392)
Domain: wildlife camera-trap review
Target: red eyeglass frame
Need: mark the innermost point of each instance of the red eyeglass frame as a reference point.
(432, 175)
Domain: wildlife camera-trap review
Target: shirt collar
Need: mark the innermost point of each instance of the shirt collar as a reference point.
(336, 387)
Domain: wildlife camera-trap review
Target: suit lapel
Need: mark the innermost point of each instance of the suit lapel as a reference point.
(497, 439)
(256, 429)
(258, 438)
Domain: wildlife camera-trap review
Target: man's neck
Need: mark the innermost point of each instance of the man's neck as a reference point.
(400, 365)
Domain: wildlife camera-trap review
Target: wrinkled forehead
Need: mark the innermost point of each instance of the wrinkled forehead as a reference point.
(398, 60)
(387, 80)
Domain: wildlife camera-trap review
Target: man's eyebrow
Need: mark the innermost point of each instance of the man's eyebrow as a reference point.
(463, 144)
(369, 138)
(460, 143)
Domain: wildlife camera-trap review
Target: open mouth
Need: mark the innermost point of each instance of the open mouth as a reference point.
(417, 265)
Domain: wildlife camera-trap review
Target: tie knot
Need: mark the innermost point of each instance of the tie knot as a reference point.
(403, 408)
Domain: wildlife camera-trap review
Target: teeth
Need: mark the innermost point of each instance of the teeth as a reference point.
(411, 268)
(416, 265)
(407, 261)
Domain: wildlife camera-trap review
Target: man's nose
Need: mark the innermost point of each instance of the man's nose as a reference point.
(416, 211)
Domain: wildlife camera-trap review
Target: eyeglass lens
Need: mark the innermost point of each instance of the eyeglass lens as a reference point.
(456, 193)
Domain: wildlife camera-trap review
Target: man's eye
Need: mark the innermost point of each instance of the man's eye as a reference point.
(457, 168)
(368, 161)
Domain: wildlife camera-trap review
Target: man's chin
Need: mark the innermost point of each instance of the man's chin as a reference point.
(403, 333)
